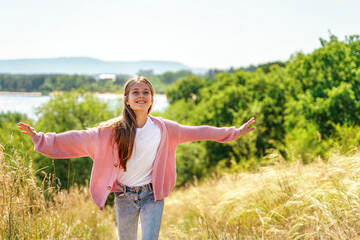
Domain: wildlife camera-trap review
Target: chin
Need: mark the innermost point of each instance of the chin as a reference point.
(141, 109)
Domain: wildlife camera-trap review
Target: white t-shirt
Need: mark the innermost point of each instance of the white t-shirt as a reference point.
(139, 167)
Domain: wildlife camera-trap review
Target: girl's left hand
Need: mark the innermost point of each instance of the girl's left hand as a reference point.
(244, 129)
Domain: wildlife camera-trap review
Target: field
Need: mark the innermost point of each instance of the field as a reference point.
(284, 200)
(281, 201)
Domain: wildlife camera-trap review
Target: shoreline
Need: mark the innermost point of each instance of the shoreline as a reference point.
(21, 93)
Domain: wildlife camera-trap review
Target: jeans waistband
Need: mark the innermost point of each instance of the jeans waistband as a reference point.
(122, 188)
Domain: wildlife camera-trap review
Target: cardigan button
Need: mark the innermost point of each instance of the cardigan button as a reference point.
(115, 165)
(101, 208)
(109, 188)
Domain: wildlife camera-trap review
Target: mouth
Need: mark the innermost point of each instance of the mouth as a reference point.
(141, 102)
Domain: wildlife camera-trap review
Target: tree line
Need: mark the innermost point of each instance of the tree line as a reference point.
(47, 83)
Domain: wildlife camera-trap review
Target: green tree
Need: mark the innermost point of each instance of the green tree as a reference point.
(185, 88)
(47, 86)
(330, 82)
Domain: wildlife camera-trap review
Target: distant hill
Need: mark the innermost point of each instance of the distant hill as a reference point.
(84, 65)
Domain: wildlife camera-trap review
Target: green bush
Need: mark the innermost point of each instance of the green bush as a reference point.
(304, 143)
(345, 138)
(191, 161)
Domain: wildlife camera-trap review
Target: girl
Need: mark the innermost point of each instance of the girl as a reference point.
(134, 157)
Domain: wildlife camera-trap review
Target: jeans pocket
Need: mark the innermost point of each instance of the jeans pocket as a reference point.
(147, 194)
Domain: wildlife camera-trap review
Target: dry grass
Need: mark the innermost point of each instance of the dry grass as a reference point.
(282, 201)
(31, 212)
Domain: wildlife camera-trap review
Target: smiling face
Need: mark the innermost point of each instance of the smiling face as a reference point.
(140, 97)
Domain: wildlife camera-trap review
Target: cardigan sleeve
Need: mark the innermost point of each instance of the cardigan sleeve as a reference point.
(66, 145)
(201, 133)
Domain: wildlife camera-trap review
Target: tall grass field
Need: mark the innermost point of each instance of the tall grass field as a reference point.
(284, 200)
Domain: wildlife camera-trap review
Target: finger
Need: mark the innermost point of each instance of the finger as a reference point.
(252, 120)
(22, 125)
(249, 130)
(249, 123)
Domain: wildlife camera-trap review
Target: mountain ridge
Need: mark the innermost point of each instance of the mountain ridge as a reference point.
(88, 65)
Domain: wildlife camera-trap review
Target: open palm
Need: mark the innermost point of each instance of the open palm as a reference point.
(27, 129)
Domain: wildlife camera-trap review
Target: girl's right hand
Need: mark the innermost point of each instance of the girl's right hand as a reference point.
(27, 129)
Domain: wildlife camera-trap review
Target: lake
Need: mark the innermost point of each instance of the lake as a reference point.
(26, 104)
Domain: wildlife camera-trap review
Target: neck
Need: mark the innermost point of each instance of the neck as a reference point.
(141, 118)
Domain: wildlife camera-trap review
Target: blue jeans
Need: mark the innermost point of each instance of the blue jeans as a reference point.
(130, 202)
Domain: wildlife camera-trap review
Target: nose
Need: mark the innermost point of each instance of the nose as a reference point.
(142, 95)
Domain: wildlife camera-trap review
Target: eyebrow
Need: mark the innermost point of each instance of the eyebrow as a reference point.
(139, 89)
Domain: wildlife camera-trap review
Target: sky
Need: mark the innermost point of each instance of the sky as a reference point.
(197, 33)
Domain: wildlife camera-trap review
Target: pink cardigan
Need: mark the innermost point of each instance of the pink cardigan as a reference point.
(99, 145)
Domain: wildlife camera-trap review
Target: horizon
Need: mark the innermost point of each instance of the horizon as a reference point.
(134, 61)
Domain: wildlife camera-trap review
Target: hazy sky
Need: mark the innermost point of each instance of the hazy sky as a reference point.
(198, 33)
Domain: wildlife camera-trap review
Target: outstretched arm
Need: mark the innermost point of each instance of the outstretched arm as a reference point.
(64, 145)
(224, 134)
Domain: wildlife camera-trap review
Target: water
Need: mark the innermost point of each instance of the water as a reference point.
(28, 104)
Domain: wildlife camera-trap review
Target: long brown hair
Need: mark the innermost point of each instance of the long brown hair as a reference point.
(125, 126)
